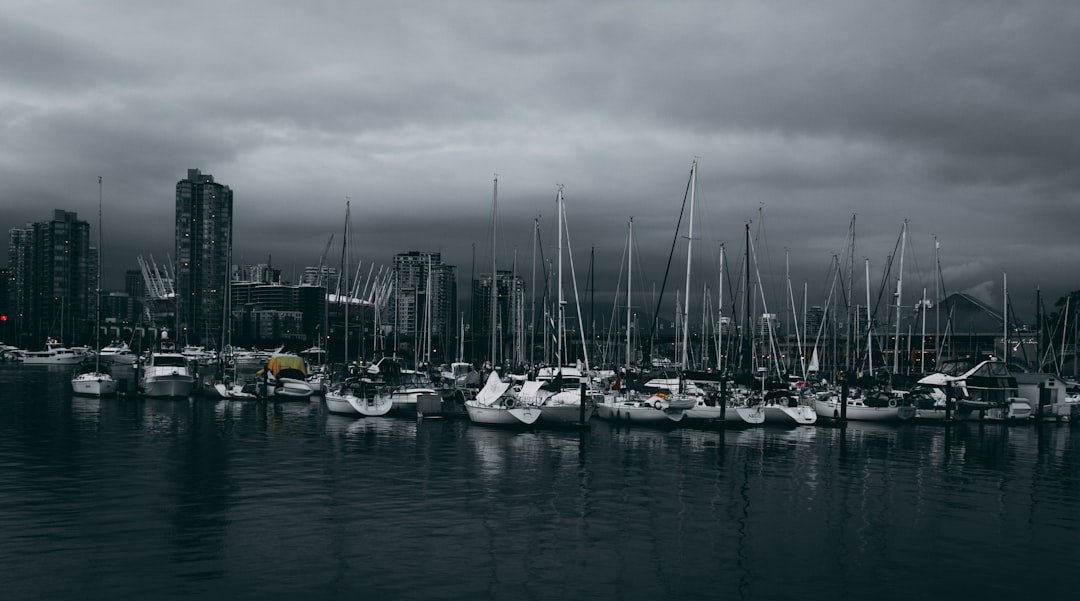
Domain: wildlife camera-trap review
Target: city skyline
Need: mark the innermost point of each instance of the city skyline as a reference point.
(956, 118)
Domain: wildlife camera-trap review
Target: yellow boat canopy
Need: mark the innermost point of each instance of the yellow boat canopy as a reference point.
(277, 363)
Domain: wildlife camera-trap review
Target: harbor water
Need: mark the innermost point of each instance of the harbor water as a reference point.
(128, 498)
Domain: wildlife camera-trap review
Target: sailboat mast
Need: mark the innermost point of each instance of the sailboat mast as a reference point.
(720, 316)
(97, 290)
(345, 286)
(532, 311)
(494, 283)
(748, 337)
(899, 303)
(684, 360)
(869, 322)
(558, 277)
(1005, 318)
(629, 276)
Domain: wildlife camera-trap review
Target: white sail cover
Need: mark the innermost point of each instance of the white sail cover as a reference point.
(492, 390)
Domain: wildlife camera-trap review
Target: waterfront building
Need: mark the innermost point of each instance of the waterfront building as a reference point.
(52, 273)
(425, 298)
(204, 211)
(509, 317)
(272, 314)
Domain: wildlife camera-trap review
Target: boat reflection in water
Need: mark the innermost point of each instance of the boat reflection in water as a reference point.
(204, 494)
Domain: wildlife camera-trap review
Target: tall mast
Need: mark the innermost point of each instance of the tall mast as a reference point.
(629, 276)
(494, 283)
(345, 286)
(869, 323)
(684, 360)
(922, 348)
(97, 290)
(899, 304)
(532, 311)
(720, 316)
(748, 337)
(1005, 319)
(558, 277)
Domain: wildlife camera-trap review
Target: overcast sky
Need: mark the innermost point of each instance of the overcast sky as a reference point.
(959, 117)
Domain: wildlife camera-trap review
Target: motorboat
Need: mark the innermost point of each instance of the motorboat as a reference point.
(166, 374)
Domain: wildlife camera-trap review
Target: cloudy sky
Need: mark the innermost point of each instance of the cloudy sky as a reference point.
(959, 117)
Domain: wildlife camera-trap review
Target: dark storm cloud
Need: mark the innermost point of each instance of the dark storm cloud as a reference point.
(958, 117)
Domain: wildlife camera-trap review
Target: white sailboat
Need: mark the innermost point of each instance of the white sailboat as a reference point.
(623, 404)
(562, 406)
(497, 404)
(353, 397)
(96, 382)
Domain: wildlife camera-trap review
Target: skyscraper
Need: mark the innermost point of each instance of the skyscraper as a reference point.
(416, 276)
(204, 211)
(52, 269)
(509, 317)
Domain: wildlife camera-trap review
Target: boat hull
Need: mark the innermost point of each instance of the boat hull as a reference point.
(93, 385)
(638, 414)
(167, 386)
(368, 407)
(781, 415)
(830, 409)
(339, 404)
(502, 416)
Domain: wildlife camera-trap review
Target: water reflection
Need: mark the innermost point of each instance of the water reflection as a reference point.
(203, 495)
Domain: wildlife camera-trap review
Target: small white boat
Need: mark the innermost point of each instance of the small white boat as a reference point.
(872, 407)
(55, 354)
(496, 404)
(404, 388)
(93, 383)
(166, 374)
(558, 393)
(736, 412)
(639, 408)
(357, 398)
(782, 408)
(236, 392)
(286, 376)
(118, 353)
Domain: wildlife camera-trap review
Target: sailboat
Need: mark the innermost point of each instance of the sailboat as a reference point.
(622, 402)
(96, 382)
(558, 389)
(352, 396)
(498, 404)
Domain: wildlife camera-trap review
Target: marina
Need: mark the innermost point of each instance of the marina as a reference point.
(164, 498)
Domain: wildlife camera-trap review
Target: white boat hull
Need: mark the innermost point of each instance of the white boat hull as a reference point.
(501, 416)
(856, 411)
(800, 415)
(288, 387)
(638, 414)
(368, 407)
(93, 384)
(336, 403)
(733, 415)
(171, 385)
(234, 392)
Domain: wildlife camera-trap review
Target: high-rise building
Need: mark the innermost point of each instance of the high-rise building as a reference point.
(425, 298)
(509, 318)
(204, 210)
(52, 271)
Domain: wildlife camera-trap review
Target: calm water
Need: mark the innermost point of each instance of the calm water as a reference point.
(152, 499)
